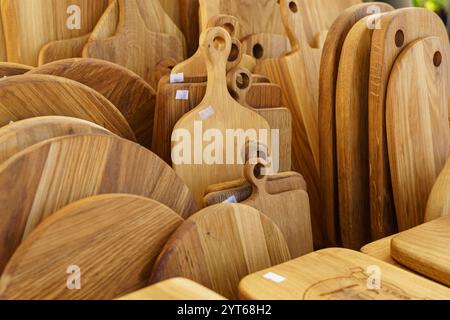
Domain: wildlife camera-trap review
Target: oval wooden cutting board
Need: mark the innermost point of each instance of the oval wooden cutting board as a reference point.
(129, 93)
(8, 69)
(54, 173)
(28, 96)
(418, 134)
(112, 240)
(247, 241)
(439, 200)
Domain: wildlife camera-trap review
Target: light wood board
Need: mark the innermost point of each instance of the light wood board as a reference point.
(266, 45)
(108, 22)
(439, 200)
(8, 69)
(3, 56)
(189, 16)
(381, 250)
(62, 49)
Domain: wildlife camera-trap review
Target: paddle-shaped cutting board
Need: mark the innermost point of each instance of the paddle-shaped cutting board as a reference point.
(54, 173)
(426, 249)
(133, 45)
(221, 113)
(439, 200)
(113, 240)
(266, 45)
(398, 29)
(8, 69)
(247, 242)
(328, 80)
(339, 274)
(28, 27)
(129, 93)
(28, 96)
(418, 134)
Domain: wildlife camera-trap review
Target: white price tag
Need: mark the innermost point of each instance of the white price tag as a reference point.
(231, 199)
(182, 95)
(177, 78)
(206, 113)
(274, 277)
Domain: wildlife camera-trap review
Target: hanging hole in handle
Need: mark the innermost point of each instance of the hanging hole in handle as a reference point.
(399, 39)
(230, 28)
(258, 51)
(437, 59)
(219, 43)
(242, 81)
(258, 171)
(293, 7)
(234, 54)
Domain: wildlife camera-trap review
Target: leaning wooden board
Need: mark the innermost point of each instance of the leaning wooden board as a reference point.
(190, 24)
(62, 49)
(45, 20)
(426, 249)
(247, 241)
(28, 96)
(339, 274)
(121, 237)
(418, 134)
(129, 93)
(439, 199)
(54, 173)
(398, 29)
(8, 69)
(3, 56)
(266, 45)
(329, 67)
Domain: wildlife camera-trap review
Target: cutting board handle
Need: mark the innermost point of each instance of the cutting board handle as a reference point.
(239, 82)
(255, 172)
(291, 16)
(229, 23)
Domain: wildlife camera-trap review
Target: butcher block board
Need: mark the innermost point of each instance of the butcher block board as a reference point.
(247, 241)
(439, 200)
(121, 237)
(57, 172)
(129, 93)
(8, 69)
(426, 249)
(418, 134)
(338, 274)
(28, 96)
(62, 49)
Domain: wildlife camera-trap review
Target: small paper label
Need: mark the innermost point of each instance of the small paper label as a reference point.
(206, 113)
(182, 95)
(231, 199)
(177, 77)
(274, 277)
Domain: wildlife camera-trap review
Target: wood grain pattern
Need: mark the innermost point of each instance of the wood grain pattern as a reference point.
(418, 134)
(8, 69)
(3, 55)
(266, 45)
(189, 15)
(62, 49)
(329, 67)
(54, 173)
(108, 22)
(426, 249)
(246, 239)
(174, 289)
(120, 239)
(47, 21)
(339, 274)
(17, 136)
(381, 250)
(134, 46)
(129, 93)
(172, 8)
(28, 96)
(439, 200)
(408, 24)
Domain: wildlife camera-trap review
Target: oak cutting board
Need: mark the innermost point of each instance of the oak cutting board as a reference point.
(220, 112)
(426, 249)
(439, 200)
(398, 29)
(247, 241)
(266, 45)
(329, 67)
(381, 250)
(29, 27)
(128, 92)
(27, 96)
(62, 49)
(113, 240)
(54, 173)
(339, 274)
(418, 134)
(8, 69)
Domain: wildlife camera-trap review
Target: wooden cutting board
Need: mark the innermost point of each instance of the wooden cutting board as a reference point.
(399, 28)
(338, 274)
(217, 111)
(381, 250)
(418, 134)
(247, 241)
(426, 249)
(329, 67)
(189, 15)
(266, 45)
(134, 98)
(134, 46)
(62, 49)
(107, 24)
(54, 173)
(28, 96)
(172, 8)
(17, 136)
(121, 237)
(3, 56)
(46, 20)
(439, 199)
(174, 289)
(8, 69)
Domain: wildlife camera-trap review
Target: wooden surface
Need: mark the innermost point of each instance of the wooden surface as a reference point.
(121, 238)
(331, 58)
(107, 24)
(381, 250)
(227, 115)
(3, 56)
(266, 45)
(426, 249)
(28, 96)
(8, 69)
(189, 16)
(439, 200)
(174, 289)
(17, 136)
(413, 23)
(339, 274)
(62, 49)
(134, 46)
(246, 239)
(129, 93)
(54, 173)
(172, 8)
(418, 134)
(46, 21)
